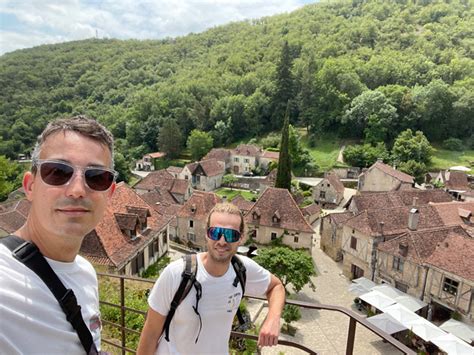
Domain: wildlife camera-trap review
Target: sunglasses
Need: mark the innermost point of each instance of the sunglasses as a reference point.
(230, 235)
(57, 173)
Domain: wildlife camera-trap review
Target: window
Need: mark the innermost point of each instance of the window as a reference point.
(322, 194)
(296, 238)
(191, 237)
(236, 160)
(246, 161)
(450, 286)
(401, 286)
(191, 223)
(397, 264)
(354, 243)
(274, 236)
(186, 177)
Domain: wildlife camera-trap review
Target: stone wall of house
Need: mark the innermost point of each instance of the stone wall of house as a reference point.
(263, 235)
(360, 256)
(331, 239)
(350, 260)
(198, 229)
(241, 164)
(376, 180)
(330, 193)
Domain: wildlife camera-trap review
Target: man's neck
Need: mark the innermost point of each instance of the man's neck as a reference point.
(52, 247)
(214, 268)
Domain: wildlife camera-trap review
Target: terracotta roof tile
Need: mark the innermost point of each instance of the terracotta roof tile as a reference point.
(271, 155)
(449, 211)
(154, 179)
(339, 218)
(157, 155)
(218, 154)
(311, 210)
(393, 172)
(180, 186)
(456, 180)
(199, 205)
(13, 214)
(242, 203)
(275, 200)
(210, 167)
(174, 169)
(335, 182)
(247, 150)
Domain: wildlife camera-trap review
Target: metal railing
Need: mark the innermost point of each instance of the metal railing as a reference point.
(354, 318)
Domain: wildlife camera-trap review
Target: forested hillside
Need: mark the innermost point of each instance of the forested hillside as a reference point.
(363, 69)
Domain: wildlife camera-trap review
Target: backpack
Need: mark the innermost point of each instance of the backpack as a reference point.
(188, 280)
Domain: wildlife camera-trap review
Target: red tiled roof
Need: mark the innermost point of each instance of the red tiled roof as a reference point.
(339, 218)
(115, 245)
(335, 182)
(449, 211)
(154, 179)
(199, 205)
(311, 210)
(174, 169)
(276, 201)
(242, 203)
(13, 214)
(220, 154)
(456, 180)
(210, 167)
(392, 172)
(248, 150)
(379, 200)
(179, 186)
(395, 220)
(157, 155)
(271, 155)
(162, 202)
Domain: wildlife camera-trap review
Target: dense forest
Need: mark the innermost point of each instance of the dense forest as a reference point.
(366, 70)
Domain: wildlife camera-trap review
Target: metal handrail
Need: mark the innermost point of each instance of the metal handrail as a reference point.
(354, 318)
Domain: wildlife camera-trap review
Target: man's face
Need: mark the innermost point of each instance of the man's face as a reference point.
(71, 210)
(221, 251)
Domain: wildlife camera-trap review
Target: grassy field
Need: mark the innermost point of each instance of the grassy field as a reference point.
(230, 194)
(443, 159)
(325, 150)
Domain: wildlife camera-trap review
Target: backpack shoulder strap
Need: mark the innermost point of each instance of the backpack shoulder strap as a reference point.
(188, 279)
(29, 254)
(240, 272)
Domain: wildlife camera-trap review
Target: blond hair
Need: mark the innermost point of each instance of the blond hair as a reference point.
(226, 207)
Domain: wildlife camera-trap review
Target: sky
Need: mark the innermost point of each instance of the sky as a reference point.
(28, 23)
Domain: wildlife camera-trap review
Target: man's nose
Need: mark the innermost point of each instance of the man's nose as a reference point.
(76, 187)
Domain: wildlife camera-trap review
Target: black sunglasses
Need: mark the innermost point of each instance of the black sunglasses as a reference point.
(230, 235)
(57, 173)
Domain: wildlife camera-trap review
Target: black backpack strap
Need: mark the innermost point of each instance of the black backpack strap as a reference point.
(240, 277)
(188, 279)
(29, 254)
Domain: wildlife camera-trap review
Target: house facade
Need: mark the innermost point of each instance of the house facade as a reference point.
(330, 231)
(381, 177)
(329, 192)
(276, 215)
(205, 175)
(147, 163)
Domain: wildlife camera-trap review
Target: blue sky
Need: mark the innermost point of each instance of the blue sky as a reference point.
(28, 23)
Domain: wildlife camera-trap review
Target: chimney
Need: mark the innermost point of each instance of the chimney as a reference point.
(403, 249)
(381, 224)
(415, 201)
(413, 217)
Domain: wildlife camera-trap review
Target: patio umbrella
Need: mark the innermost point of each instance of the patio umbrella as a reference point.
(389, 291)
(358, 289)
(452, 345)
(386, 323)
(459, 329)
(377, 299)
(410, 302)
(401, 314)
(365, 283)
(425, 329)
(460, 168)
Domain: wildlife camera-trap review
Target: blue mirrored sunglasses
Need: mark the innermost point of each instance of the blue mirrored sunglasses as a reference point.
(230, 235)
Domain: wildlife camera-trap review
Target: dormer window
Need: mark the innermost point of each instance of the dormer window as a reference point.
(193, 208)
(276, 217)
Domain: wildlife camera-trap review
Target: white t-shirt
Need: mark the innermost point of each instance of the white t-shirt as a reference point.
(217, 306)
(31, 319)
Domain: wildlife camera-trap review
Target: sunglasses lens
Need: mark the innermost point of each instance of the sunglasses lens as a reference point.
(230, 235)
(56, 174)
(98, 179)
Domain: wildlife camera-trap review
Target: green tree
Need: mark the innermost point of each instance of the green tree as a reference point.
(284, 86)
(365, 155)
(122, 167)
(283, 178)
(229, 180)
(170, 139)
(10, 177)
(409, 146)
(292, 267)
(199, 144)
(415, 169)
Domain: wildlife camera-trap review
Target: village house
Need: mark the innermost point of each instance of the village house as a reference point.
(148, 162)
(13, 215)
(330, 231)
(220, 154)
(244, 158)
(311, 213)
(192, 219)
(329, 192)
(268, 157)
(130, 237)
(166, 183)
(455, 182)
(276, 215)
(379, 200)
(205, 175)
(382, 177)
(243, 205)
(362, 233)
(174, 170)
(434, 265)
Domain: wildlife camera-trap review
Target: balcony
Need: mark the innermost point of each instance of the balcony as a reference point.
(118, 345)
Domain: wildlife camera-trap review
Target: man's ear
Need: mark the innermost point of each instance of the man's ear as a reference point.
(28, 184)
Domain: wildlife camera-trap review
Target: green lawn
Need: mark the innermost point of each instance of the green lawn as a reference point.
(325, 151)
(230, 194)
(443, 159)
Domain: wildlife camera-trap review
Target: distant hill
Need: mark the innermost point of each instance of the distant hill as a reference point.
(233, 80)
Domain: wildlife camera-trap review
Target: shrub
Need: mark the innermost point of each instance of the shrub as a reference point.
(453, 144)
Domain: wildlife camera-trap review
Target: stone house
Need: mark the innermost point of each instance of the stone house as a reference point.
(329, 192)
(268, 157)
(275, 215)
(434, 265)
(192, 219)
(330, 231)
(166, 183)
(311, 213)
(243, 205)
(220, 154)
(382, 177)
(245, 158)
(362, 233)
(147, 163)
(455, 182)
(205, 175)
(130, 237)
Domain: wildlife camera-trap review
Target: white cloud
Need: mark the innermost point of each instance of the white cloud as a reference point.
(50, 21)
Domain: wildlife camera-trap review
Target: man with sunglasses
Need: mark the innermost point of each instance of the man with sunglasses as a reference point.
(69, 185)
(209, 332)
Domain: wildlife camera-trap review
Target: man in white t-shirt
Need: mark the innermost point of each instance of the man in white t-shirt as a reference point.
(209, 332)
(69, 185)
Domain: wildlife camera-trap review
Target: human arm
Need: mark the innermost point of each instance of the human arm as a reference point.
(151, 333)
(270, 329)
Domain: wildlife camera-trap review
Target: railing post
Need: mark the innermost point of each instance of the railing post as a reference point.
(122, 313)
(351, 336)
